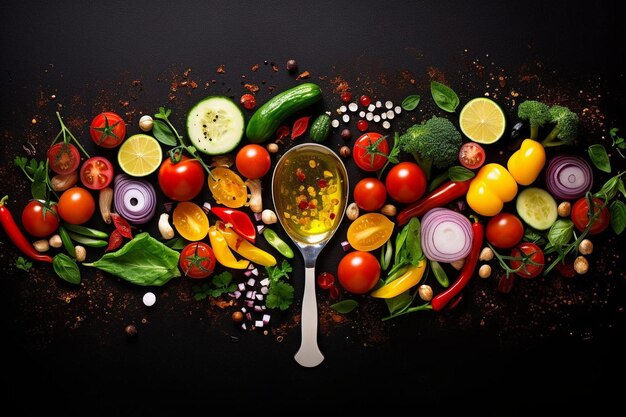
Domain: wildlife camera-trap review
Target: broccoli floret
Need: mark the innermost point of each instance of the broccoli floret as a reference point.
(537, 114)
(435, 141)
(566, 128)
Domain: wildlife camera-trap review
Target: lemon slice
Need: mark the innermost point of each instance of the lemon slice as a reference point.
(140, 155)
(482, 120)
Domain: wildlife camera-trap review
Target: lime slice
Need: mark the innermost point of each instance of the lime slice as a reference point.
(537, 208)
(140, 155)
(482, 120)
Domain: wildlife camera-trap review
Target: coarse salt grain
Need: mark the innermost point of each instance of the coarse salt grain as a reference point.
(353, 107)
(334, 123)
(379, 104)
(390, 115)
(361, 114)
(369, 117)
(388, 105)
(376, 118)
(345, 118)
(149, 299)
(371, 108)
(343, 109)
(386, 125)
(397, 109)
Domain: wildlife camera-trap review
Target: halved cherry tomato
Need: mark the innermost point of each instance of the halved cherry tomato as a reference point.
(227, 188)
(63, 158)
(580, 212)
(197, 260)
(107, 130)
(471, 155)
(530, 260)
(96, 173)
(183, 180)
(370, 194)
(76, 205)
(370, 151)
(358, 272)
(370, 231)
(190, 221)
(406, 182)
(39, 219)
(505, 230)
(253, 161)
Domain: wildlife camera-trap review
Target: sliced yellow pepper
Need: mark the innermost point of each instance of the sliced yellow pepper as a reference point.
(245, 248)
(409, 279)
(222, 253)
(526, 164)
(490, 189)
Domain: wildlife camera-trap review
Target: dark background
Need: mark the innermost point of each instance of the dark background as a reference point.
(563, 337)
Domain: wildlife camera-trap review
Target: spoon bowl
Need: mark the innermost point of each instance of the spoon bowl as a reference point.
(309, 191)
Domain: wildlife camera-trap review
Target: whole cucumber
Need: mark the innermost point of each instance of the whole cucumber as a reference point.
(269, 116)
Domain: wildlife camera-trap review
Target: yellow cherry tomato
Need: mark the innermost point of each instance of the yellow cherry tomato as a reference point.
(526, 164)
(190, 221)
(227, 188)
(369, 232)
(490, 189)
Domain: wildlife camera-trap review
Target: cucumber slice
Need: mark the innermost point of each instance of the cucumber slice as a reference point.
(215, 125)
(537, 208)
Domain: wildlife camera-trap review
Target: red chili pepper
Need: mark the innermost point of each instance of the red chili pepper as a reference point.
(115, 240)
(239, 220)
(16, 235)
(122, 226)
(442, 299)
(443, 195)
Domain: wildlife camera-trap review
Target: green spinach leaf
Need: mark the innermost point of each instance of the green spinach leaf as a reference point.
(444, 96)
(66, 268)
(599, 157)
(142, 261)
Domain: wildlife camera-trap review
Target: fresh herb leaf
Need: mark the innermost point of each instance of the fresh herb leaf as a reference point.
(163, 133)
(385, 255)
(611, 188)
(459, 173)
(618, 142)
(20, 162)
(618, 216)
(23, 264)
(66, 268)
(444, 96)
(223, 290)
(411, 102)
(560, 235)
(222, 279)
(344, 306)
(201, 292)
(178, 243)
(277, 272)
(533, 236)
(413, 245)
(599, 157)
(398, 302)
(142, 261)
(280, 295)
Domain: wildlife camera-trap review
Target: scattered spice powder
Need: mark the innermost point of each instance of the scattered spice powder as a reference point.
(303, 75)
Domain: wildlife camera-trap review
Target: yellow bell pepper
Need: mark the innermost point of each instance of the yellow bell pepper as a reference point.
(222, 253)
(409, 279)
(526, 164)
(490, 189)
(245, 248)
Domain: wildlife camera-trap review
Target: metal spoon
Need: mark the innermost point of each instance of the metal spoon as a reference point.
(310, 245)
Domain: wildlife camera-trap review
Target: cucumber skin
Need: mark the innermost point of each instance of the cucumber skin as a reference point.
(269, 116)
(320, 129)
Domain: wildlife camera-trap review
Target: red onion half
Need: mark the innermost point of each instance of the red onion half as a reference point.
(446, 235)
(134, 199)
(568, 177)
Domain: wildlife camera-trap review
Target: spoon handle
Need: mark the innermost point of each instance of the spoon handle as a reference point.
(309, 354)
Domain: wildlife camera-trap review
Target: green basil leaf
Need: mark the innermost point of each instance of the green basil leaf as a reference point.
(599, 157)
(561, 233)
(142, 261)
(413, 244)
(610, 188)
(163, 133)
(344, 306)
(398, 302)
(411, 102)
(459, 173)
(66, 268)
(620, 187)
(444, 96)
(618, 216)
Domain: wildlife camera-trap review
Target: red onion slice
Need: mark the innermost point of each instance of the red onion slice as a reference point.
(134, 199)
(446, 235)
(568, 177)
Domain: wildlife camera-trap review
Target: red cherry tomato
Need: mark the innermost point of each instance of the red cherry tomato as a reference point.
(580, 212)
(365, 100)
(346, 96)
(253, 161)
(358, 272)
(248, 101)
(96, 173)
(197, 260)
(370, 151)
(471, 155)
(370, 194)
(362, 125)
(107, 130)
(505, 230)
(63, 158)
(406, 182)
(76, 205)
(181, 181)
(534, 262)
(325, 280)
(39, 220)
